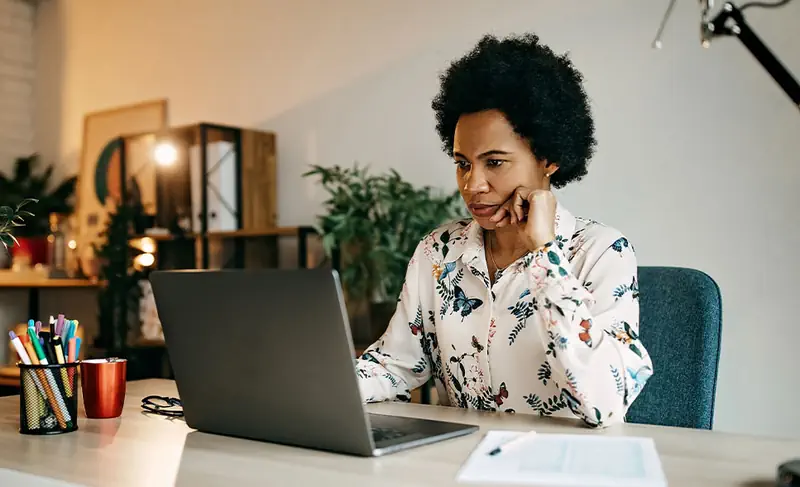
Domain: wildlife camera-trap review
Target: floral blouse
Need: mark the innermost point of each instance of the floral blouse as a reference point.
(556, 334)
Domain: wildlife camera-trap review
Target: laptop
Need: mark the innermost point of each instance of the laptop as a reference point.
(267, 355)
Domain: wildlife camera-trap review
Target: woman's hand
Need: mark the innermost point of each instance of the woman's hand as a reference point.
(534, 214)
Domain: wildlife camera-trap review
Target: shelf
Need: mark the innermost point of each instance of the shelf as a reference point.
(12, 279)
(268, 232)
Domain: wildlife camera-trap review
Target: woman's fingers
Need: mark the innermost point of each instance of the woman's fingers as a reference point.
(518, 206)
(499, 214)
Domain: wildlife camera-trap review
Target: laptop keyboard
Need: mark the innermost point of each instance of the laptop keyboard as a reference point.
(386, 434)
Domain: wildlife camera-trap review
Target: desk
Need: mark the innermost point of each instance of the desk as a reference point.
(140, 449)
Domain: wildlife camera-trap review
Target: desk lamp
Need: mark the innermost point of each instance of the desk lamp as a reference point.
(730, 21)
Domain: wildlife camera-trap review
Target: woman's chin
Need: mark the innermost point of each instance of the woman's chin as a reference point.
(484, 222)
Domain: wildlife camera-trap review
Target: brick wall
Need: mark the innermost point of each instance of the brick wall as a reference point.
(17, 70)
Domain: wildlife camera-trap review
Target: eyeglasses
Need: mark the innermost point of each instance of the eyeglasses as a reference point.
(163, 405)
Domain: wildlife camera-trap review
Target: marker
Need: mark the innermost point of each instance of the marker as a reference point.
(23, 355)
(58, 349)
(62, 328)
(77, 347)
(65, 378)
(37, 346)
(35, 353)
(68, 332)
(510, 445)
(71, 354)
(51, 380)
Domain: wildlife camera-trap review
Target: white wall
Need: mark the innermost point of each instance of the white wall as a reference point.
(17, 70)
(698, 155)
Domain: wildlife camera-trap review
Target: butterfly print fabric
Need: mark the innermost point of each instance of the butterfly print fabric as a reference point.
(555, 335)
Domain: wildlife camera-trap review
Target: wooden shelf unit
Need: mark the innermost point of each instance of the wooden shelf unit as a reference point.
(219, 192)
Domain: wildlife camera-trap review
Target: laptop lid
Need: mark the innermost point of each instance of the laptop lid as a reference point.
(264, 354)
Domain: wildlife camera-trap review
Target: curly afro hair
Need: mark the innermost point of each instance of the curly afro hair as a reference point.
(540, 93)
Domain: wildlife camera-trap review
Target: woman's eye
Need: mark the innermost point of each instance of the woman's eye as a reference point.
(462, 164)
(495, 162)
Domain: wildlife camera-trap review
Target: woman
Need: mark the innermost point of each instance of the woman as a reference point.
(524, 308)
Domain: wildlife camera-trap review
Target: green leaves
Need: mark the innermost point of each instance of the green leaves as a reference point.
(34, 187)
(376, 221)
(11, 218)
(553, 257)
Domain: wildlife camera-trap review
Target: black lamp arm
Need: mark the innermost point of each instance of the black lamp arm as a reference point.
(730, 21)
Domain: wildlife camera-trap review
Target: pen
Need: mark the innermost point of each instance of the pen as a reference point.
(510, 445)
(60, 325)
(59, 352)
(24, 357)
(69, 332)
(61, 409)
(48, 392)
(71, 356)
(33, 420)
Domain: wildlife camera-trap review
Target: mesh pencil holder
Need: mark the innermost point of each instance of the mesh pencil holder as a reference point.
(48, 400)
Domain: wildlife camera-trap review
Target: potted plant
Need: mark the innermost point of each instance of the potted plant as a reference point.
(374, 222)
(29, 184)
(13, 218)
(120, 294)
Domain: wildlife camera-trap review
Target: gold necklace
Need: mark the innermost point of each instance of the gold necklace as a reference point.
(491, 256)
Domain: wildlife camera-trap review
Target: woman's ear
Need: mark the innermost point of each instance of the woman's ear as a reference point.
(550, 168)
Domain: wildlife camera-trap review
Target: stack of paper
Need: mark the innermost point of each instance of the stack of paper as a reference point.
(13, 477)
(566, 460)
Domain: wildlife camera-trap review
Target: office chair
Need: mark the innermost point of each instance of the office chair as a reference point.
(680, 326)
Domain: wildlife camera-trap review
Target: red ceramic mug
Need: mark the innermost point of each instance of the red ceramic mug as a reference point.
(103, 384)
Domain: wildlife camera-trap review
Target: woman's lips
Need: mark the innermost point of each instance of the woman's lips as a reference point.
(483, 210)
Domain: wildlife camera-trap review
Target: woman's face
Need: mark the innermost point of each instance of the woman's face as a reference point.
(491, 162)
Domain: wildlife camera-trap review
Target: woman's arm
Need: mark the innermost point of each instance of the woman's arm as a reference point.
(399, 362)
(591, 330)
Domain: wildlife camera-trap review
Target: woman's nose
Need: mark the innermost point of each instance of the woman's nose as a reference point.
(475, 182)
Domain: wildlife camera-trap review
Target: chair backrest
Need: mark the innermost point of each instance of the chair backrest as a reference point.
(680, 326)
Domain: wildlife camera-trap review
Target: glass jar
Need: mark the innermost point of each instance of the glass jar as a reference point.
(57, 246)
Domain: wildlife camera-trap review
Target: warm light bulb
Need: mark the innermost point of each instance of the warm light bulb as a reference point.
(165, 154)
(148, 245)
(144, 260)
(72, 244)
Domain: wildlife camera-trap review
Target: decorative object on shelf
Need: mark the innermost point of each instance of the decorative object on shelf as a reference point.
(103, 173)
(374, 223)
(27, 182)
(57, 247)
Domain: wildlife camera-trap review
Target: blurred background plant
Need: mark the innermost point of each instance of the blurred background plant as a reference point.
(28, 183)
(12, 219)
(374, 223)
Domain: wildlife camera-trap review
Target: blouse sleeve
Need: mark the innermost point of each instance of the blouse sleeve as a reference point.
(591, 331)
(398, 362)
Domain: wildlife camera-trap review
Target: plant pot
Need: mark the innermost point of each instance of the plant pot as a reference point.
(34, 247)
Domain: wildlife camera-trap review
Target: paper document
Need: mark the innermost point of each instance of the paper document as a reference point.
(566, 460)
(13, 477)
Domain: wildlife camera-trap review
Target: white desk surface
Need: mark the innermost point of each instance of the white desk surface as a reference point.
(146, 450)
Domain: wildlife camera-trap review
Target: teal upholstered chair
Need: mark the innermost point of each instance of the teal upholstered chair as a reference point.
(680, 326)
